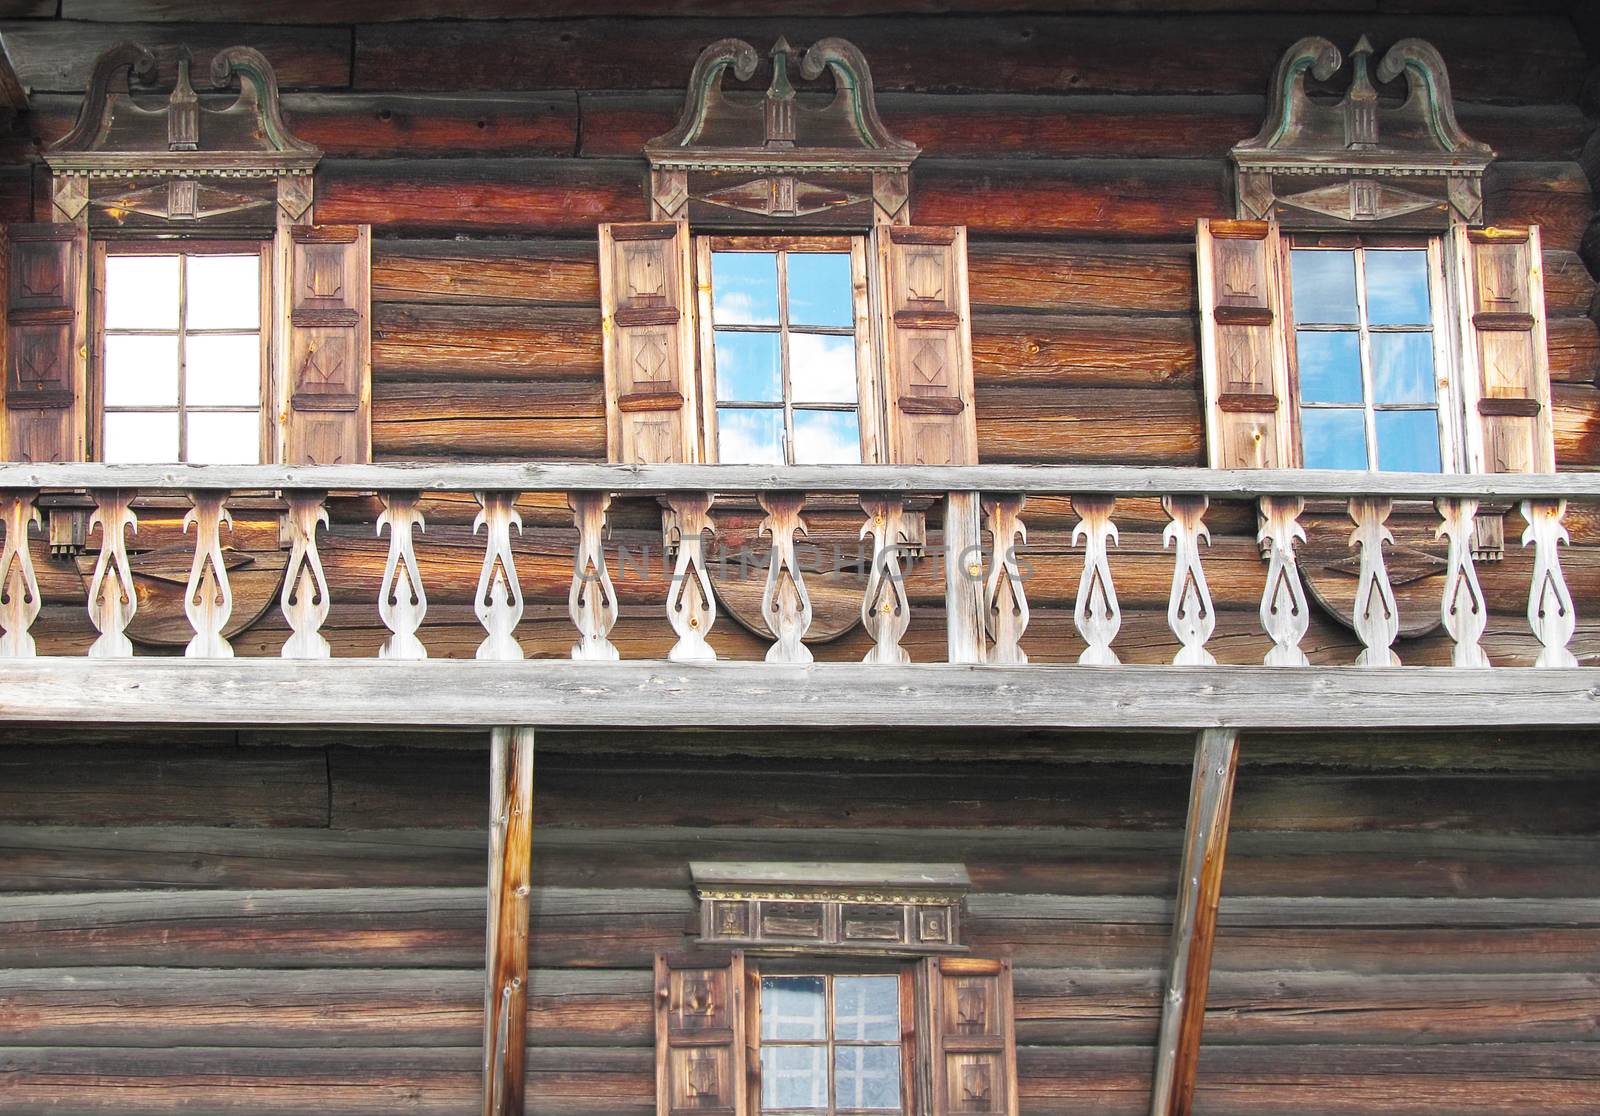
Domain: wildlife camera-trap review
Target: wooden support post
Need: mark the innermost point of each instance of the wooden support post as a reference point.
(1183, 1007)
(963, 578)
(505, 1000)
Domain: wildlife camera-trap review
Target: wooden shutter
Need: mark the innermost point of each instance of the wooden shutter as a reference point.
(47, 351)
(329, 381)
(700, 1039)
(645, 296)
(1505, 375)
(972, 1041)
(1244, 344)
(927, 344)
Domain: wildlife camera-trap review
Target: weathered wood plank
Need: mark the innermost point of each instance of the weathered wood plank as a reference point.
(505, 993)
(486, 342)
(1051, 351)
(1555, 196)
(506, 421)
(521, 272)
(1085, 276)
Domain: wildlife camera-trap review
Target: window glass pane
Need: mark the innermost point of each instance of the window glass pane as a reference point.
(866, 1077)
(822, 368)
(866, 1008)
(141, 437)
(224, 292)
(142, 292)
(826, 438)
(1324, 285)
(748, 368)
(230, 438)
(1333, 439)
(819, 289)
(744, 288)
(1397, 287)
(1402, 368)
(792, 1008)
(749, 437)
(1330, 366)
(141, 371)
(794, 1076)
(1408, 441)
(223, 370)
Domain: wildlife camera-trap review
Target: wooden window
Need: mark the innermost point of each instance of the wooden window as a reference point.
(832, 1042)
(180, 356)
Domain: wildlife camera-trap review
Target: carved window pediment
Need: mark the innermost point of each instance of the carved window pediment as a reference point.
(1365, 154)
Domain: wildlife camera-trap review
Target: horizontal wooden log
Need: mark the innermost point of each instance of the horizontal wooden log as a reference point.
(418, 341)
(409, 125)
(1086, 277)
(527, 272)
(1575, 419)
(1555, 196)
(457, 419)
(1135, 425)
(1574, 347)
(1048, 351)
(1569, 289)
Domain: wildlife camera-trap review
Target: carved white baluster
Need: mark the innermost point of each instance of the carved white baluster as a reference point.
(1550, 610)
(1189, 610)
(208, 603)
(402, 602)
(112, 601)
(885, 611)
(1284, 614)
(785, 604)
(1005, 600)
(305, 587)
(592, 602)
(691, 606)
(19, 586)
(499, 599)
(1377, 617)
(1097, 614)
(1463, 609)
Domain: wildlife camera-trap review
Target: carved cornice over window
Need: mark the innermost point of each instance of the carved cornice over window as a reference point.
(742, 158)
(1361, 159)
(832, 908)
(183, 157)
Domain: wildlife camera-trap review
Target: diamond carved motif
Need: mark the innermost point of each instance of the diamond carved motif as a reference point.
(319, 368)
(928, 362)
(650, 357)
(38, 364)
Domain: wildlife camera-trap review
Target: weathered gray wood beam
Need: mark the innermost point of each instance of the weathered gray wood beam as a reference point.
(1194, 926)
(505, 997)
(464, 693)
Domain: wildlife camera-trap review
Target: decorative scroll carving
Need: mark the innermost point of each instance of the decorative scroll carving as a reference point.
(734, 157)
(885, 611)
(1096, 614)
(592, 601)
(785, 604)
(499, 599)
(691, 606)
(1005, 599)
(19, 586)
(1376, 615)
(1361, 160)
(1463, 609)
(1189, 610)
(1550, 610)
(208, 603)
(305, 588)
(402, 601)
(1284, 614)
(112, 601)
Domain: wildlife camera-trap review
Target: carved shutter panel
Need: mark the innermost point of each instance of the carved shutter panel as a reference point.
(700, 1039)
(1505, 382)
(927, 343)
(972, 1039)
(329, 412)
(645, 296)
(1243, 345)
(47, 355)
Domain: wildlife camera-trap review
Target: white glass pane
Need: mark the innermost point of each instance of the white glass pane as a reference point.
(1402, 368)
(744, 288)
(1330, 366)
(792, 1007)
(1333, 439)
(749, 437)
(142, 292)
(822, 368)
(1324, 285)
(141, 437)
(1408, 441)
(224, 292)
(867, 1077)
(748, 368)
(794, 1077)
(866, 1008)
(826, 438)
(141, 371)
(1397, 287)
(223, 370)
(231, 438)
(819, 289)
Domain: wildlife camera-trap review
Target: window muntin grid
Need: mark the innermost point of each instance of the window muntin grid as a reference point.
(830, 1044)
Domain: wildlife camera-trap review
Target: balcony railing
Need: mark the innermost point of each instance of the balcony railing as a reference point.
(986, 612)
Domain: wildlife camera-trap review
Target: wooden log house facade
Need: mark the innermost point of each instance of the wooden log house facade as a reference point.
(930, 487)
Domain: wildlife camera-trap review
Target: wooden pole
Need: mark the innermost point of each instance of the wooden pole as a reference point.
(505, 1000)
(1183, 1007)
(963, 578)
